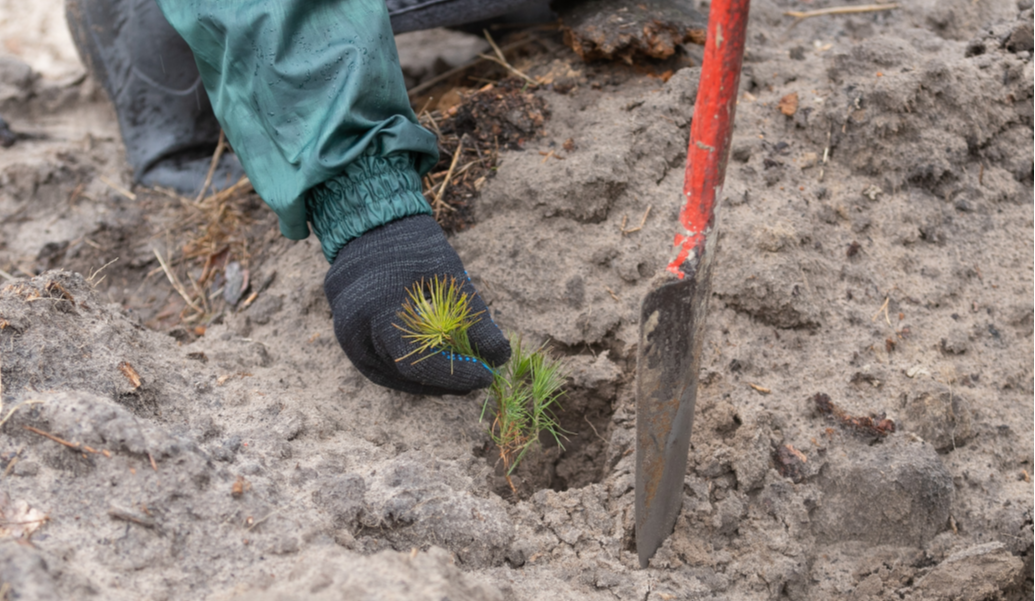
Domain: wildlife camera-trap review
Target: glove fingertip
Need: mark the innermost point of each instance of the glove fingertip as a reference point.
(496, 356)
(490, 343)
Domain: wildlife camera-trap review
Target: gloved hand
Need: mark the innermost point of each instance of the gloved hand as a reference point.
(366, 287)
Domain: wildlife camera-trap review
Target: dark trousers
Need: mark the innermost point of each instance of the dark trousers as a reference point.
(149, 72)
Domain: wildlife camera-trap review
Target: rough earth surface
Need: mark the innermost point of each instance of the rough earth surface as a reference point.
(876, 247)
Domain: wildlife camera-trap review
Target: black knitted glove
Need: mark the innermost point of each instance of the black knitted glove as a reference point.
(366, 287)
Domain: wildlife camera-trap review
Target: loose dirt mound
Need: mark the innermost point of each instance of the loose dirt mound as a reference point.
(875, 253)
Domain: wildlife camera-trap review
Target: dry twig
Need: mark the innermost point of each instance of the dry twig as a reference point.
(424, 108)
(643, 221)
(594, 428)
(255, 523)
(15, 408)
(199, 294)
(248, 301)
(433, 123)
(510, 68)
(130, 373)
(878, 424)
(427, 85)
(220, 147)
(838, 10)
(98, 271)
(176, 283)
(801, 456)
(78, 446)
(171, 194)
(243, 185)
(502, 60)
(131, 516)
(853, 106)
(438, 204)
(883, 309)
(118, 188)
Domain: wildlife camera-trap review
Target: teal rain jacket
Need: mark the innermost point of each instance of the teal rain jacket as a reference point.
(312, 100)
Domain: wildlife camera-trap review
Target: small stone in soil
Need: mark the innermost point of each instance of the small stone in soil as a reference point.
(236, 283)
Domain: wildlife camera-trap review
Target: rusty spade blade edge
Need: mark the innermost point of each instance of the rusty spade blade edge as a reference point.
(672, 320)
(673, 312)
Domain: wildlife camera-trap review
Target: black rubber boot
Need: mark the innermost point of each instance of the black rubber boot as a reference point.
(148, 71)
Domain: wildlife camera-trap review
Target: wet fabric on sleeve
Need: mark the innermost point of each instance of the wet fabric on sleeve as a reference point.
(312, 100)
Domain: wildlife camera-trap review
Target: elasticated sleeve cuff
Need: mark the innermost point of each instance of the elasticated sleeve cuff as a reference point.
(371, 192)
(303, 89)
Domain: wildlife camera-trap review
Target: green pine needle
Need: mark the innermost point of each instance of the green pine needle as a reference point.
(525, 393)
(436, 317)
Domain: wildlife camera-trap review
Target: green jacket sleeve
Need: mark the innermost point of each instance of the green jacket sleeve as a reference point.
(312, 100)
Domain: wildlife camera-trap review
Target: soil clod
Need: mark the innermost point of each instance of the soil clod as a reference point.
(790, 462)
(630, 30)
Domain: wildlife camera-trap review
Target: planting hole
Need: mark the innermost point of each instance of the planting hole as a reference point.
(585, 417)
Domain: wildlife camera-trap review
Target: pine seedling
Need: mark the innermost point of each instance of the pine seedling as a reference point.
(524, 394)
(435, 317)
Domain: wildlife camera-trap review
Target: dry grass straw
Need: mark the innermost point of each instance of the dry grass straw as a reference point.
(437, 205)
(455, 176)
(839, 10)
(211, 234)
(118, 188)
(643, 221)
(10, 412)
(217, 224)
(76, 446)
(501, 60)
(175, 281)
(220, 147)
(93, 280)
(421, 88)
